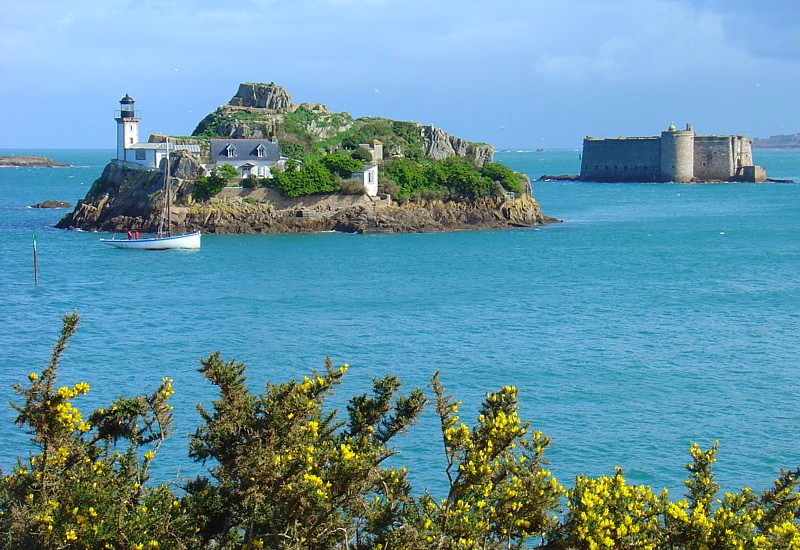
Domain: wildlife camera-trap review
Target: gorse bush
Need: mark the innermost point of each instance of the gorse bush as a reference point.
(85, 483)
(284, 472)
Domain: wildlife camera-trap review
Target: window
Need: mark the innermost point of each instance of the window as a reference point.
(141, 154)
(130, 141)
(229, 151)
(261, 151)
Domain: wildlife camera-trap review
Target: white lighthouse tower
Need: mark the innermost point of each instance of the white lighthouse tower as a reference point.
(127, 126)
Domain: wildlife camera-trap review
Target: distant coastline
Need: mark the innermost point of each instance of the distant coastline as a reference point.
(32, 161)
(784, 141)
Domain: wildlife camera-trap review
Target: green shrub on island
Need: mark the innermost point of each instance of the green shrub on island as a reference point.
(502, 174)
(286, 472)
(362, 153)
(310, 178)
(208, 186)
(453, 177)
(341, 164)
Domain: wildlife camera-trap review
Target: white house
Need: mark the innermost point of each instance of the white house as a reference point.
(368, 176)
(141, 156)
(250, 157)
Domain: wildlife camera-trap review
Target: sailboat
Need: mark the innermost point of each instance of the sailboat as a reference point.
(163, 240)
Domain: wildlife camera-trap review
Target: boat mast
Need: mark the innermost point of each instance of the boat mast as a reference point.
(168, 198)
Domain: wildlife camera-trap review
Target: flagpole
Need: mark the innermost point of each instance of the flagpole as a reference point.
(35, 266)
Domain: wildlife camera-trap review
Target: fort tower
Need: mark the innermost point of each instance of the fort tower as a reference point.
(677, 154)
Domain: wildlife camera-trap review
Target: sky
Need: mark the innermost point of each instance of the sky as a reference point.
(513, 73)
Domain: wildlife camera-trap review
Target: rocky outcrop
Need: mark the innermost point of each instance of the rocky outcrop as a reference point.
(438, 145)
(123, 198)
(51, 204)
(262, 96)
(261, 111)
(362, 216)
(224, 123)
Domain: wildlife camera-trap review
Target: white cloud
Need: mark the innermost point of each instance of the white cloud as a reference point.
(652, 41)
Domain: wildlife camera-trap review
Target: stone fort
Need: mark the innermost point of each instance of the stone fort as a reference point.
(675, 155)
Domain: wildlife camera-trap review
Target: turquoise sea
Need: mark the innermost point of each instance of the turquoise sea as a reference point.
(655, 316)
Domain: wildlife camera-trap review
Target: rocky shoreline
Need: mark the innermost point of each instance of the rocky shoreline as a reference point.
(123, 199)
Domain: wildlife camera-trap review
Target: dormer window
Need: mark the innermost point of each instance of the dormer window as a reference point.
(261, 151)
(229, 151)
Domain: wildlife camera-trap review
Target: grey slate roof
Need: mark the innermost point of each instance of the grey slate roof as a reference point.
(245, 149)
(366, 168)
(191, 147)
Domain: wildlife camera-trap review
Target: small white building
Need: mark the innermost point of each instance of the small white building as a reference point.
(250, 157)
(141, 156)
(368, 176)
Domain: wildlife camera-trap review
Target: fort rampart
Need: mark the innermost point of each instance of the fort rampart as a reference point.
(675, 155)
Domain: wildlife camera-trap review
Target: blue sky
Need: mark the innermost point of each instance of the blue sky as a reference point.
(514, 73)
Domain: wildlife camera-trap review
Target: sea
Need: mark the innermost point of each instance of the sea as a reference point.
(652, 317)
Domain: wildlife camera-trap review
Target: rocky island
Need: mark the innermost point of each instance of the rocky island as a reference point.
(262, 164)
(31, 161)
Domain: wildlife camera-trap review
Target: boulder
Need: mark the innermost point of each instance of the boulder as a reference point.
(262, 96)
(438, 145)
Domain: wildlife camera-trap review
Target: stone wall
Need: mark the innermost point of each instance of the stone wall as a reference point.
(713, 158)
(621, 160)
(677, 155)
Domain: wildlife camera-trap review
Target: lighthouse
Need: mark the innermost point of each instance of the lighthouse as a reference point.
(127, 126)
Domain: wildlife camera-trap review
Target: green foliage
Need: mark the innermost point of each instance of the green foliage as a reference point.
(394, 134)
(454, 174)
(460, 176)
(308, 179)
(286, 473)
(363, 154)
(227, 172)
(409, 175)
(251, 182)
(503, 174)
(85, 485)
(500, 494)
(293, 149)
(341, 164)
(296, 477)
(388, 186)
(208, 186)
(607, 513)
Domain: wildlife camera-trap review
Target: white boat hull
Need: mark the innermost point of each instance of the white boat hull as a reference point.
(191, 240)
